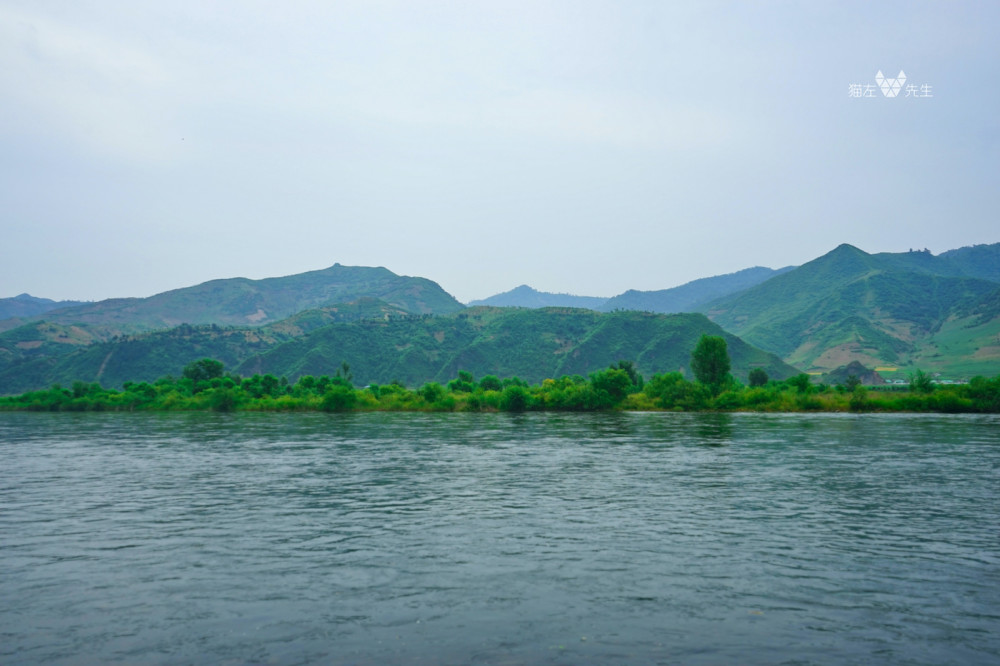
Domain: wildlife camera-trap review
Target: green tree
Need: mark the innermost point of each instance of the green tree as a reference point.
(514, 399)
(921, 382)
(339, 398)
(633, 374)
(710, 362)
(490, 383)
(431, 392)
(204, 370)
(758, 377)
(616, 383)
(799, 382)
(344, 373)
(463, 384)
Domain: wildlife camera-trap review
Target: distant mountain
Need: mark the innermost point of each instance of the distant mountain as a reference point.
(531, 344)
(976, 261)
(245, 302)
(526, 297)
(692, 295)
(889, 309)
(25, 305)
(685, 298)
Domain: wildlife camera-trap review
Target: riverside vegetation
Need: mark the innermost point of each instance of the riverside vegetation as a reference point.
(205, 385)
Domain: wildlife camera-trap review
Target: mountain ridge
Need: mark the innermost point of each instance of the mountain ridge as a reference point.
(247, 302)
(879, 309)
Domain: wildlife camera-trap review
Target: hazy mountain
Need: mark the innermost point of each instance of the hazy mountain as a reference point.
(685, 298)
(886, 309)
(25, 305)
(692, 295)
(526, 297)
(979, 261)
(245, 302)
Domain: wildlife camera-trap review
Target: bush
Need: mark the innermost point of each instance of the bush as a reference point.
(728, 400)
(431, 392)
(514, 399)
(859, 400)
(490, 383)
(338, 398)
(222, 400)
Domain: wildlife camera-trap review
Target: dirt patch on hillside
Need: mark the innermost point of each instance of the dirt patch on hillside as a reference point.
(989, 352)
(841, 355)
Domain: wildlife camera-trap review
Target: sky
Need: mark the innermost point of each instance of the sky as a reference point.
(578, 147)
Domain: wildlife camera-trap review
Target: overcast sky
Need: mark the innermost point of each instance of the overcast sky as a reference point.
(581, 147)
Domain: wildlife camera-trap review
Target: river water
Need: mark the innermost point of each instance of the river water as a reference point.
(499, 539)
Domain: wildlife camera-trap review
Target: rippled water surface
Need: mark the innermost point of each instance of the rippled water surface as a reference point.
(491, 538)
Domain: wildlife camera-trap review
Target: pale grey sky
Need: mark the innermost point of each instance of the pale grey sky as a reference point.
(582, 147)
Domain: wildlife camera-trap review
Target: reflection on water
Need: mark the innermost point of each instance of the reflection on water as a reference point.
(493, 538)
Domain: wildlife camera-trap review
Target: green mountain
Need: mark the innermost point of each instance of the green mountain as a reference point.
(885, 310)
(388, 344)
(691, 296)
(530, 344)
(40, 354)
(244, 302)
(526, 297)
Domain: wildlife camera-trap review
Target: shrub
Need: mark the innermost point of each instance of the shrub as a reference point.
(338, 398)
(514, 399)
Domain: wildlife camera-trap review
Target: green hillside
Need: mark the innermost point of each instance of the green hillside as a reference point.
(881, 310)
(38, 355)
(244, 302)
(530, 344)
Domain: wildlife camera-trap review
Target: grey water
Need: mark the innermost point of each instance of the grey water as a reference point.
(499, 539)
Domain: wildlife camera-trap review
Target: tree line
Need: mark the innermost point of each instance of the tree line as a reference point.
(205, 385)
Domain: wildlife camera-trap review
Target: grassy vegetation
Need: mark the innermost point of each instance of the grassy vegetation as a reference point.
(205, 387)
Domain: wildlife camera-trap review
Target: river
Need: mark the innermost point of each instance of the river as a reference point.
(646, 538)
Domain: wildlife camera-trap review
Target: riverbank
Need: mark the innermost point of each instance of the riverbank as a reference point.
(607, 390)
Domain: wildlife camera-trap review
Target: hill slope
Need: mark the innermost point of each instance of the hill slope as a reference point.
(245, 302)
(531, 344)
(847, 305)
(41, 354)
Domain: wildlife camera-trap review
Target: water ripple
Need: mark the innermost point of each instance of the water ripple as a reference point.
(499, 539)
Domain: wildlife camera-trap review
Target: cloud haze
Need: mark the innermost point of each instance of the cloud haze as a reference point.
(582, 147)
